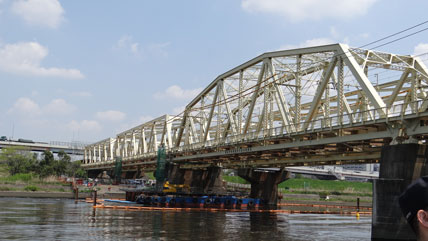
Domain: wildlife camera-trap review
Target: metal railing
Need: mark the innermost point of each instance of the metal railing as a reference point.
(374, 115)
(71, 145)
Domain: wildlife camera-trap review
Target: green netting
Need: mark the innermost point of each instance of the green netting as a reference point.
(160, 168)
(118, 169)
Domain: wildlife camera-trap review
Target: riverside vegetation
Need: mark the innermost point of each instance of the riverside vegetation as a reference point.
(20, 170)
(336, 189)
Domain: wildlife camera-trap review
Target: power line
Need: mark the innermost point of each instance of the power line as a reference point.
(398, 39)
(394, 34)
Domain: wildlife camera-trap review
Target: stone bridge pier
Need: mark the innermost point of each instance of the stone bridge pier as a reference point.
(399, 166)
(201, 181)
(264, 183)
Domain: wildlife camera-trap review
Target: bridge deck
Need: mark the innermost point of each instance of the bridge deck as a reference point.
(37, 146)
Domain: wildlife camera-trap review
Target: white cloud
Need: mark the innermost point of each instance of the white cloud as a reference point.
(134, 123)
(84, 125)
(159, 49)
(111, 115)
(334, 33)
(59, 106)
(145, 118)
(25, 106)
(25, 58)
(1, 10)
(62, 92)
(47, 13)
(422, 50)
(176, 92)
(178, 110)
(309, 9)
(81, 94)
(309, 43)
(364, 35)
(127, 43)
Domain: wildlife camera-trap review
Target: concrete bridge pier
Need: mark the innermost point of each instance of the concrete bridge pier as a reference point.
(399, 166)
(264, 183)
(201, 181)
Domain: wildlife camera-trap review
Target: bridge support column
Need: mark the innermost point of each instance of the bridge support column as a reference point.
(201, 181)
(264, 183)
(399, 166)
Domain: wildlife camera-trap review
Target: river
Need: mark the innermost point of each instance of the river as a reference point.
(62, 219)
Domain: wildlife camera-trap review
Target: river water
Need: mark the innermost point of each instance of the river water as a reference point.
(62, 219)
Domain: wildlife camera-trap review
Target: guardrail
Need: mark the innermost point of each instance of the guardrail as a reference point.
(399, 110)
(71, 145)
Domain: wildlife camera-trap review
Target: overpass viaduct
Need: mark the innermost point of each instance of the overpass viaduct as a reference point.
(71, 148)
(329, 104)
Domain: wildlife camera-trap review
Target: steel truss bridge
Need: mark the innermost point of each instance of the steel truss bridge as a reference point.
(321, 105)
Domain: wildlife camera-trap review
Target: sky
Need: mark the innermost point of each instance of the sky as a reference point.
(86, 70)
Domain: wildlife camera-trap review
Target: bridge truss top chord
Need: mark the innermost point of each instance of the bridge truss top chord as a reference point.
(320, 105)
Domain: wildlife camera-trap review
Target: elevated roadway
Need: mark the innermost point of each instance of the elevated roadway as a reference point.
(55, 147)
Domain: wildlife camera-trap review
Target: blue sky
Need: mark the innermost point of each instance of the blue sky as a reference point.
(87, 70)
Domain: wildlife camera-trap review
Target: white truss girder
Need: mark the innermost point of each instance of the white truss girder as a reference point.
(278, 94)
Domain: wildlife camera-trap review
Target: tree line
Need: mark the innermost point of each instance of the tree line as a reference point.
(22, 161)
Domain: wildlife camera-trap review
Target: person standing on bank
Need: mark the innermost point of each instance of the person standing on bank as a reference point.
(414, 205)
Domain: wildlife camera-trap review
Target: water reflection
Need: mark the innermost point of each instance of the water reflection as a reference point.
(42, 219)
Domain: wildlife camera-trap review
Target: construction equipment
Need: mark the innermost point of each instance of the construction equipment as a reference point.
(174, 188)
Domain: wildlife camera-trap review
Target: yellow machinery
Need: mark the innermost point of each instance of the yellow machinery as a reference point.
(173, 188)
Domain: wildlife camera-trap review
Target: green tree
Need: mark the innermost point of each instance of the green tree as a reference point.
(81, 173)
(18, 160)
(48, 158)
(46, 165)
(75, 170)
(60, 166)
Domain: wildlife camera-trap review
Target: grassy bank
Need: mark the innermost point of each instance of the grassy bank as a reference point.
(329, 187)
(320, 187)
(29, 182)
(235, 179)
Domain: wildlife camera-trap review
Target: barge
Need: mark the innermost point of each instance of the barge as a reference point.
(150, 197)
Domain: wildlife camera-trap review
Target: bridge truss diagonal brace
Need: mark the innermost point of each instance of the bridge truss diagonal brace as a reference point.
(397, 89)
(344, 100)
(422, 69)
(320, 90)
(182, 127)
(283, 107)
(229, 112)
(213, 105)
(362, 79)
(254, 97)
(166, 133)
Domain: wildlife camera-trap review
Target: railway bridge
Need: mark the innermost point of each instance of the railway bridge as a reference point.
(330, 104)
